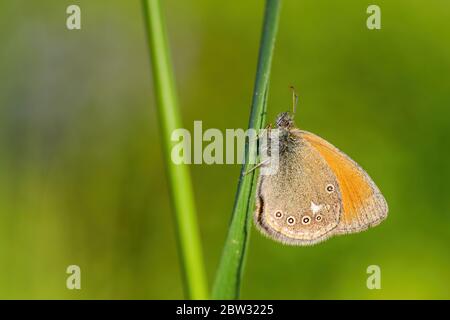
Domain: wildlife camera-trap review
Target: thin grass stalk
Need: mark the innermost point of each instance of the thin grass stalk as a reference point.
(229, 274)
(181, 192)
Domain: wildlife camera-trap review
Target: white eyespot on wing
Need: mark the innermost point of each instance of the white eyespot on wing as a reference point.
(306, 220)
(315, 207)
(329, 188)
(290, 220)
(278, 214)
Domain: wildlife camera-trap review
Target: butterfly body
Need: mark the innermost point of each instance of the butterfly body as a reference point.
(317, 191)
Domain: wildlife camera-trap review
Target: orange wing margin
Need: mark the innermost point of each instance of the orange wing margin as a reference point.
(363, 204)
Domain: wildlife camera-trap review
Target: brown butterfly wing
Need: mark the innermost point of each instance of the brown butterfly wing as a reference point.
(297, 191)
(362, 202)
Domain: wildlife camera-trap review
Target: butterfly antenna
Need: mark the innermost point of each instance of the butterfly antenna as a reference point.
(294, 99)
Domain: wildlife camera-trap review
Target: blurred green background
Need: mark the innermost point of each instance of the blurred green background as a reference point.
(81, 173)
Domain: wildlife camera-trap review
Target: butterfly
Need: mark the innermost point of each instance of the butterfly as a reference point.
(317, 191)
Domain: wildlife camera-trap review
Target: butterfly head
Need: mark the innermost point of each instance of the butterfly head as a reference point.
(285, 121)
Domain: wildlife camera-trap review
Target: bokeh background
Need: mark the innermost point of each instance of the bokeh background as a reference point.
(81, 172)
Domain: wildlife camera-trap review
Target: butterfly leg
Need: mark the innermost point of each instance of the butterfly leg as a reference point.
(267, 128)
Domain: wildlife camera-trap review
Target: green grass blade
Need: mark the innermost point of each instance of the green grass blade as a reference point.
(179, 178)
(229, 274)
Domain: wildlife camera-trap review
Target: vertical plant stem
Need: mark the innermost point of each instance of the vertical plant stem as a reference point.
(229, 274)
(181, 192)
